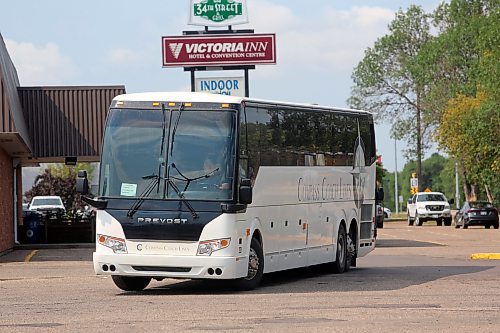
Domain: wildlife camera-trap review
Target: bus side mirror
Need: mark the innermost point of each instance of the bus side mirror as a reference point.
(379, 194)
(451, 201)
(82, 183)
(245, 191)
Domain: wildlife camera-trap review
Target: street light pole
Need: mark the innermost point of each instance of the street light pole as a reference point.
(396, 196)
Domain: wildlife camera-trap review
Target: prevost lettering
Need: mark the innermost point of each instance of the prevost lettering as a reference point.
(226, 47)
(157, 220)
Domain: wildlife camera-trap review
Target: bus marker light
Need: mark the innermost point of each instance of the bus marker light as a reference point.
(119, 103)
(248, 232)
(225, 106)
(188, 104)
(171, 104)
(156, 103)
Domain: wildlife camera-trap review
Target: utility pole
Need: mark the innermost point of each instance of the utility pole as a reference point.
(396, 195)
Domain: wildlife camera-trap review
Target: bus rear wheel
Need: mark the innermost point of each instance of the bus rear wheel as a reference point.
(129, 283)
(340, 264)
(255, 268)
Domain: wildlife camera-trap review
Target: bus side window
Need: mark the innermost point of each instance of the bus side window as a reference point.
(253, 135)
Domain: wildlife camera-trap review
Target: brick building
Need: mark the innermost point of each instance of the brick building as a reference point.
(43, 125)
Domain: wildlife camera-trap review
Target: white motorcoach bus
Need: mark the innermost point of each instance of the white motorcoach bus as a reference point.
(203, 186)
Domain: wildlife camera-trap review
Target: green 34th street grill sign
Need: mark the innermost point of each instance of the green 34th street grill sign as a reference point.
(218, 12)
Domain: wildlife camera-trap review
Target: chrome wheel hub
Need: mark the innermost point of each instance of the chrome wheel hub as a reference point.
(253, 264)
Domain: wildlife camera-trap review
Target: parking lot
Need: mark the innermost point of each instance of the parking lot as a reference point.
(419, 279)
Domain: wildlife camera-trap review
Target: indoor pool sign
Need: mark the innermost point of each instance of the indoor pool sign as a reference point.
(217, 13)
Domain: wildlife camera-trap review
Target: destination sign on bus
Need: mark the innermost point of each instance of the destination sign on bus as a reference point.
(219, 50)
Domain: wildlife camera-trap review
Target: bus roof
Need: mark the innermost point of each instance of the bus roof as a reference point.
(198, 97)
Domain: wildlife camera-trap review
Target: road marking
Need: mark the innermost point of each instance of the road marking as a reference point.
(485, 256)
(30, 256)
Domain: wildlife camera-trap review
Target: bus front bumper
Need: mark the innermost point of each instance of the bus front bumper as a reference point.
(188, 267)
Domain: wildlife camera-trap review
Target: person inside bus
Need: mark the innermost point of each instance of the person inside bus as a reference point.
(216, 175)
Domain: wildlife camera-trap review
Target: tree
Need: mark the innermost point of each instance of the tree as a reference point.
(464, 63)
(389, 81)
(471, 132)
(60, 180)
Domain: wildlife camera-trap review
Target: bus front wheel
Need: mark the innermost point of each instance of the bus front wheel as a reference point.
(129, 283)
(255, 268)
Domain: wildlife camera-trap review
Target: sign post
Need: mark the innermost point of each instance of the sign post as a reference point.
(414, 183)
(231, 86)
(217, 13)
(219, 49)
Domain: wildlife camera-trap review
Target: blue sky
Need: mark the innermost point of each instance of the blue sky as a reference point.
(60, 42)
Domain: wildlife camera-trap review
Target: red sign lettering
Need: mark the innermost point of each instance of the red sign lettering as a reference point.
(219, 50)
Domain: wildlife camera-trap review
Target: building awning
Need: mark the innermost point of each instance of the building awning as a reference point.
(14, 137)
(51, 123)
(14, 145)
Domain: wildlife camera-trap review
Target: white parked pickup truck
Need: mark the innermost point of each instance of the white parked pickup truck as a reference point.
(429, 206)
(48, 205)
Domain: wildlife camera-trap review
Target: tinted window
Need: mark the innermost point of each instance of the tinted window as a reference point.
(431, 197)
(367, 135)
(481, 205)
(279, 136)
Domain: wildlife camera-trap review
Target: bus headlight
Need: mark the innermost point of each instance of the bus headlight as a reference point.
(207, 247)
(114, 243)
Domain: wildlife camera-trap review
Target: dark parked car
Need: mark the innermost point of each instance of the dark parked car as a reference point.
(477, 213)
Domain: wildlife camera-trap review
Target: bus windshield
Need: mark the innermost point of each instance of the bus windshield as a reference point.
(168, 154)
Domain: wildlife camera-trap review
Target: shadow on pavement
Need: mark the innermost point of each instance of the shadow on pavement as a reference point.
(404, 243)
(52, 254)
(315, 279)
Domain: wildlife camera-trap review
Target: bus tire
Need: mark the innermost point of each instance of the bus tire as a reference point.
(129, 283)
(255, 268)
(340, 264)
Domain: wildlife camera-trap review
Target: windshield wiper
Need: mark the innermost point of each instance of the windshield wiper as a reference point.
(142, 197)
(181, 196)
(174, 130)
(189, 180)
(163, 128)
(155, 180)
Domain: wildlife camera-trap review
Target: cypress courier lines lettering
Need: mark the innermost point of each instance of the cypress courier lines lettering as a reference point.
(323, 191)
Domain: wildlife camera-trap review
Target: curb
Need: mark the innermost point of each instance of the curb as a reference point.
(485, 256)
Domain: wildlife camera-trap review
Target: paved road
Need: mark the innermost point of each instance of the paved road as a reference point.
(419, 279)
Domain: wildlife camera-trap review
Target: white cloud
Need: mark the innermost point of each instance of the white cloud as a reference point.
(334, 41)
(268, 17)
(41, 65)
(122, 56)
